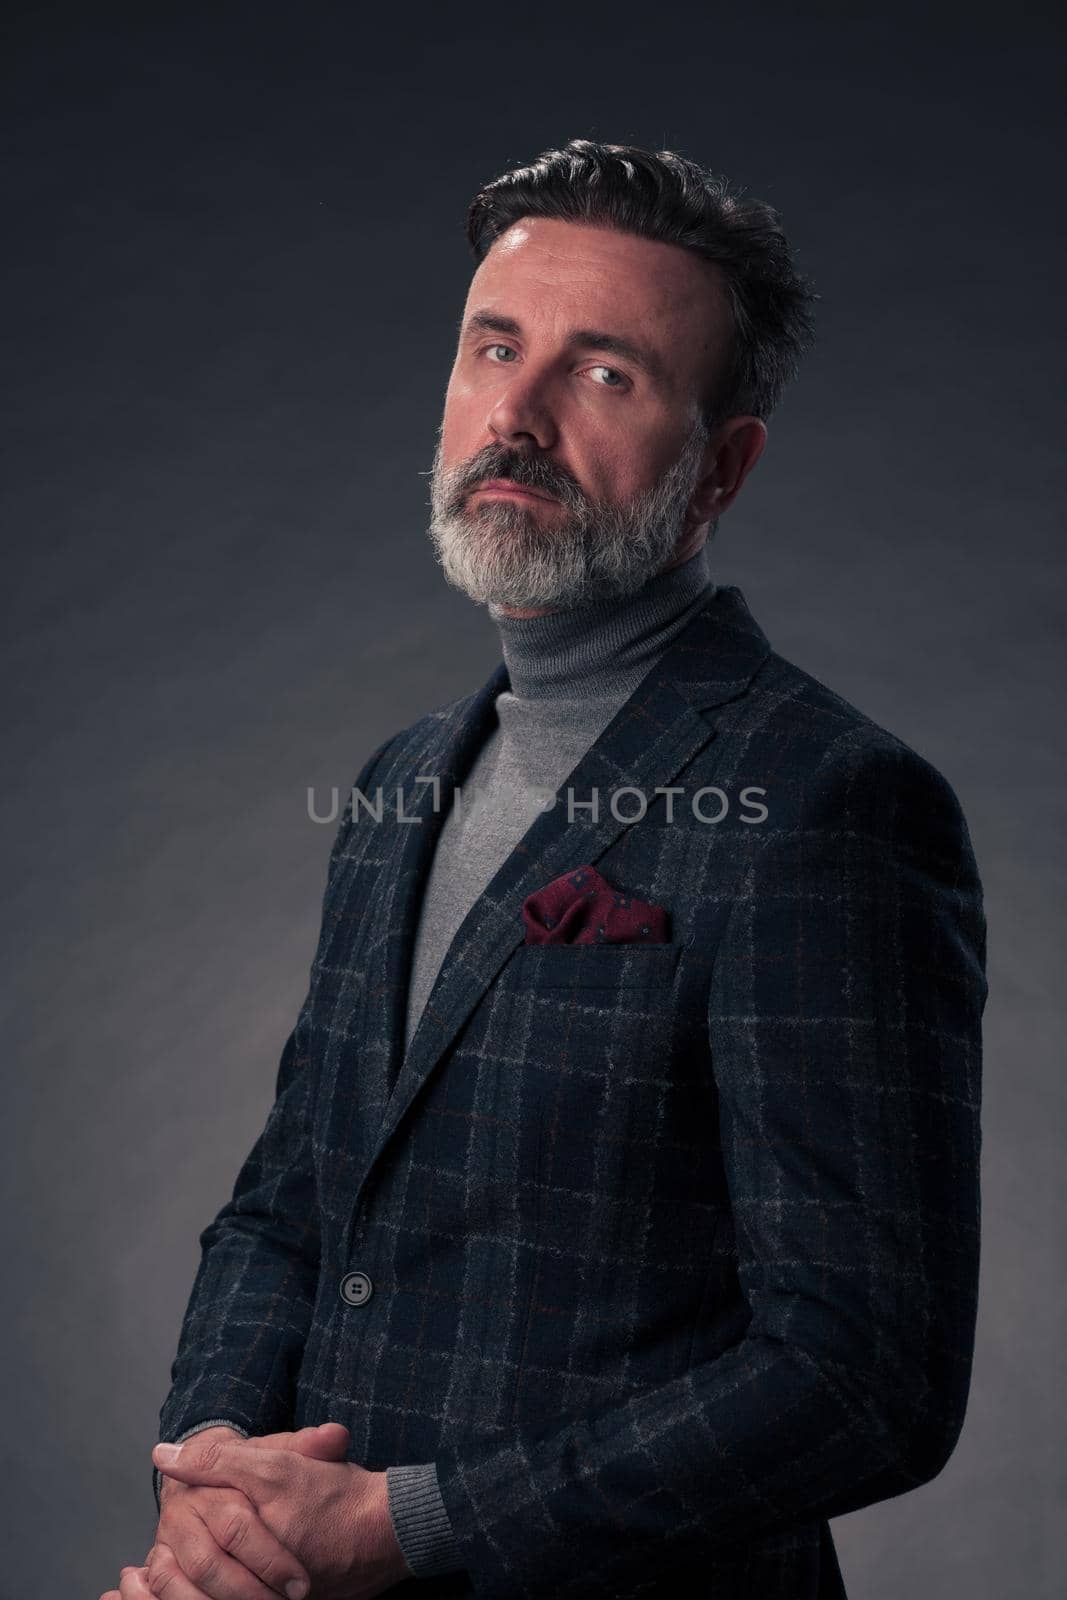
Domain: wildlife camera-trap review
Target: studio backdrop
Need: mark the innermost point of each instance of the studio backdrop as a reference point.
(235, 262)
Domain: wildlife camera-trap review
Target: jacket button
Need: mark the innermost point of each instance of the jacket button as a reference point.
(356, 1288)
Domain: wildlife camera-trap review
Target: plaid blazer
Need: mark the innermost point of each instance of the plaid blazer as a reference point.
(671, 1250)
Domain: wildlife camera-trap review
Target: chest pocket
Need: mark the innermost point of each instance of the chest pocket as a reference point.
(587, 967)
(592, 1025)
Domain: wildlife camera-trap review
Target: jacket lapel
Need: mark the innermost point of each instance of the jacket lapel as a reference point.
(652, 737)
(447, 758)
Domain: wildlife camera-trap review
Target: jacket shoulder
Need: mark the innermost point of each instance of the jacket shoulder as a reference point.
(416, 735)
(427, 728)
(825, 733)
(833, 769)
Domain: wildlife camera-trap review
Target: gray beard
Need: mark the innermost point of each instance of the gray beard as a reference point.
(500, 554)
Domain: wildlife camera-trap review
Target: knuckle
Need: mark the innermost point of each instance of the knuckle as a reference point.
(232, 1528)
(208, 1454)
(272, 1573)
(202, 1569)
(162, 1576)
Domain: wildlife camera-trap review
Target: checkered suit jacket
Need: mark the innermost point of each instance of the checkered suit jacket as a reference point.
(672, 1249)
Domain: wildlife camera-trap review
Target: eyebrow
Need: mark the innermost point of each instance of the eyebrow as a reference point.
(614, 344)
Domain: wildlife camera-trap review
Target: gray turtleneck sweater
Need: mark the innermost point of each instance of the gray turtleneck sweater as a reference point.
(570, 672)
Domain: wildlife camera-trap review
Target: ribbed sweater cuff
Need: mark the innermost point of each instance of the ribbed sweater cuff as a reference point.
(198, 1427)
(420, 1520)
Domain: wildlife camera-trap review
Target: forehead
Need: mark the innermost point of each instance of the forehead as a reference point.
(555, 275)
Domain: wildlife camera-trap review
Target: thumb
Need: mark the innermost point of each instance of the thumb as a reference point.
(217, 1465)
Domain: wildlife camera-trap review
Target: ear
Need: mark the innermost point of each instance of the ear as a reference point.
(703, 502)
(734, 447)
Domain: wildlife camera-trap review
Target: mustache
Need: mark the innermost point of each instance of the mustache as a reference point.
(530, 472)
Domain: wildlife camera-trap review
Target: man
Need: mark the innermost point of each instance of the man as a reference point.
(616, 1222)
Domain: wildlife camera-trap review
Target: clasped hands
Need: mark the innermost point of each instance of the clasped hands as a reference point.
(258, 1518)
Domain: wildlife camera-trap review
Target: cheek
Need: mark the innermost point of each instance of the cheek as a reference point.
(607, 466)
(463, 416)
(458, 428)
(458, 392)
(635, 460)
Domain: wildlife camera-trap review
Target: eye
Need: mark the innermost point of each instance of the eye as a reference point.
(618, 380)
(622, 381)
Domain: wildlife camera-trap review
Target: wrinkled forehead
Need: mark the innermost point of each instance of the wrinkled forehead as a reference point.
(552, 279)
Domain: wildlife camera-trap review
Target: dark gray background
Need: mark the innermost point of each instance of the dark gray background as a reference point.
(234, 265)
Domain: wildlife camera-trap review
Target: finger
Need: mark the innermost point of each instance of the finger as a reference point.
(326, 1442)
(259, 1473)
(233, 1524)
(199, 1570)
(133, 1584)
(215, 1542)
(333, 1437)
(123, 1594)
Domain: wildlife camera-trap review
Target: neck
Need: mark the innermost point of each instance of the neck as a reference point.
(602, 647)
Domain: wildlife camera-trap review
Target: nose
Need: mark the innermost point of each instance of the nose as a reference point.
(521, 413)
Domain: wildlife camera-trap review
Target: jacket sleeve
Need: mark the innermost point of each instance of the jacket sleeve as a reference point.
(844, 1018)
(249, 1311)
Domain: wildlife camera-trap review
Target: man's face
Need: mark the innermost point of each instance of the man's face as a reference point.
(583, 359)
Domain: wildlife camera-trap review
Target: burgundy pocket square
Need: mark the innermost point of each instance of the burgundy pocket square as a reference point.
(581, 907)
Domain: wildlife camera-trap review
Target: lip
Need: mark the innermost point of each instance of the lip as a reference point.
(505, 486)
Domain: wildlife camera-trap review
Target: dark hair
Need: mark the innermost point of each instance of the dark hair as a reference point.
(666, 197)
